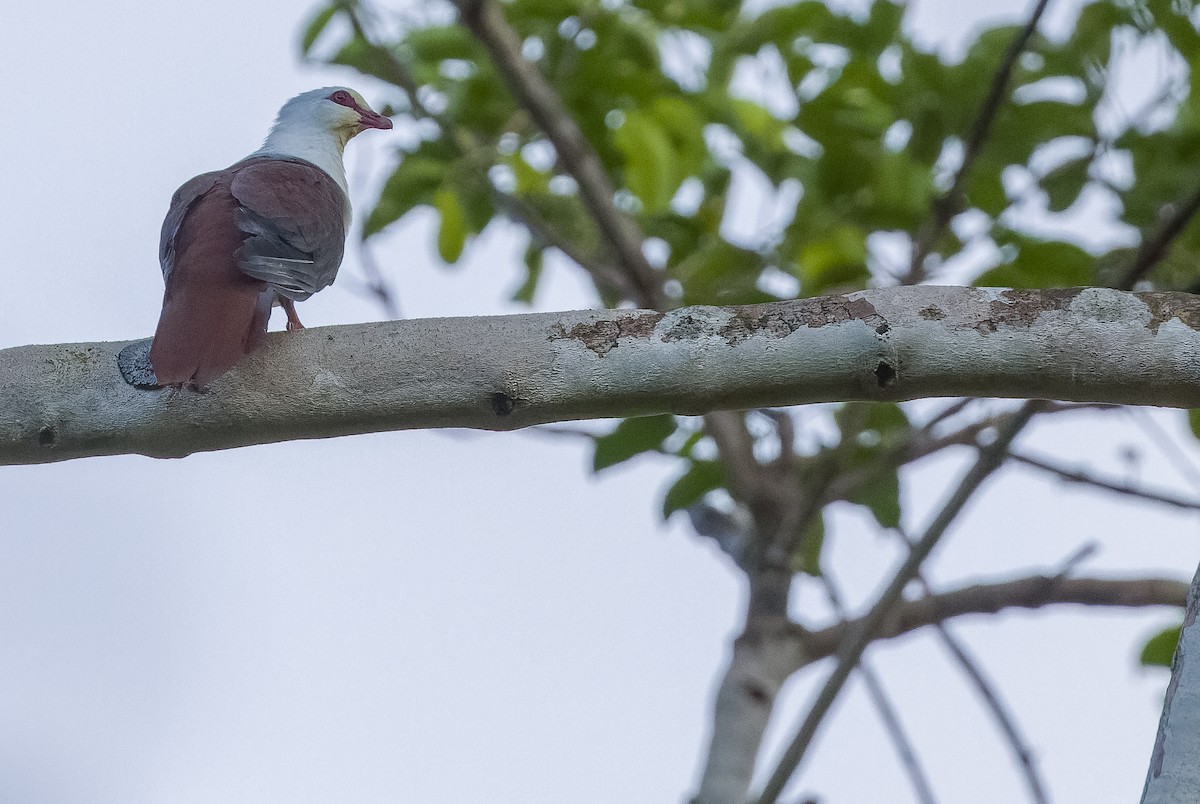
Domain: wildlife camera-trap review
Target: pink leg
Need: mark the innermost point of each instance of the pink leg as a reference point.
(289, 307)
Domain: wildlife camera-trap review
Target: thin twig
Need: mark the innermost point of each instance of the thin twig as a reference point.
(922, 789)
(785, 432)
(1114, 486)
(602, 272)
(988, 694)
(375, 283)
(953, 409)
(735, 445)
(1030, 592)
(990, 459)
(947, 205)
(1154, 247)
(1072, 562)
(1000, 713)
(1167, 444)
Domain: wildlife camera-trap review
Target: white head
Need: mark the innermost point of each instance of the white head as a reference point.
(316, 125)
(338, 111)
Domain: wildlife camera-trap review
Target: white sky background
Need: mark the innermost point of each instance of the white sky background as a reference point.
(435, 616)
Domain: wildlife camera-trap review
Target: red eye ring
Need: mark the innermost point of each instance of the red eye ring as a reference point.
(342, 97)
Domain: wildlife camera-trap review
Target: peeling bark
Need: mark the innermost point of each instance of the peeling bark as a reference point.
(501, 373)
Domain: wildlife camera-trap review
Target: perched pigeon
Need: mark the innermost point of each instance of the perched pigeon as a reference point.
(268, 230)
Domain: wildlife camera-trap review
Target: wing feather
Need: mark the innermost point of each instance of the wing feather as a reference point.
(181, 202)
(293, 215)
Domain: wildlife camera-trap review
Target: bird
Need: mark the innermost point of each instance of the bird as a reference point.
(268, 230)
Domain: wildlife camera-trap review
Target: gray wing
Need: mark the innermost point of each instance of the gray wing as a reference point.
(293, 214)
(181, 202)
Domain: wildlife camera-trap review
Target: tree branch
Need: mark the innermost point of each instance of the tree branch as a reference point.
(850, 649)
(922, 789)
(1155, 245)
(1032, 592)
(486, 20)
(1116, 487)
(506, 372)
(464, 141)
(949, 204)
(1174, 776)
(1006, 722)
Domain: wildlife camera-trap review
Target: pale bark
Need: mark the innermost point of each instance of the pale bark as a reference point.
(762, 661)
(769, 653)
(1174, 773)
(69, 400)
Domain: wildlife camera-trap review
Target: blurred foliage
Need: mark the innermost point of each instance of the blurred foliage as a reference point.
(1160, 648)
(843, 114)
(796, 150)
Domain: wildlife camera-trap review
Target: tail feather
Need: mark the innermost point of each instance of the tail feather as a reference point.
(200, 336)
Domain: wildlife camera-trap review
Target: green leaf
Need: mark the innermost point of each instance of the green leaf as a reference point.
(316, 26)
(985, 188)
(649, 160)
(838, 259)
(441, 42)
(700, 478)
(1064, 183)
(808, 557)
(869, 432)
(881, 497)
(757, 122)
(904, 191)
(685, 449)
(533, 272)
(452, 234)
(368, 59)
(528, 178)
(683, 125)
(1042, 264)
(1160, 648)
(719, 272)
(1194, 421)
(631, 437)
(412, 183)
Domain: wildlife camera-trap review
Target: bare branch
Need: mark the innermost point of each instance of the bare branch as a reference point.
(949, 204)
(953, 409)
(375, 283)
(887, 713)
(735, 445)
(1033, 592)
(1006, 722)
(851, 649)
(603, 273)
(1168, 445)
(1116, 487)
(1154, 246)
(988, 694)
(921, 444)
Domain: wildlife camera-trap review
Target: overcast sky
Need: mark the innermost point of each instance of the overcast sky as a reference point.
(445, 616)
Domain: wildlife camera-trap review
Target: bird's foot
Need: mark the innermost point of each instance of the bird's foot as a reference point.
(293, 320)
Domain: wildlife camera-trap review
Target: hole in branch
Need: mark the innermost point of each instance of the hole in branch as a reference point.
(885, 374)
(502, 404)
